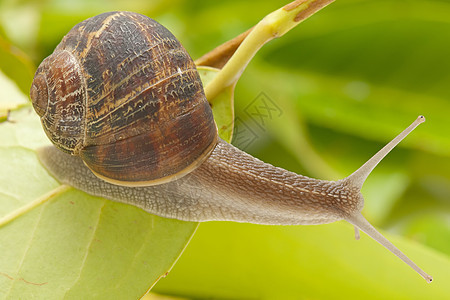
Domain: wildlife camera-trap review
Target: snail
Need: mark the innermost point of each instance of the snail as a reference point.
(123, 103)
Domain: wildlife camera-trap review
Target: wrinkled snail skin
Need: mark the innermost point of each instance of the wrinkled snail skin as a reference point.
(122, 101)
(230, 185)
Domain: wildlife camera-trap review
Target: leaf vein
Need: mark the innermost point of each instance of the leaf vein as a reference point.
(87, 250)
(32, 237)
(137, 253)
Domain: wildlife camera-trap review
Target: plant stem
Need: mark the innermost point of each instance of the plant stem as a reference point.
(272, 26)
(220, 55)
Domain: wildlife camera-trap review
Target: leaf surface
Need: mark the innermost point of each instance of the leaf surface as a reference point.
(246, 261)
(74, 246)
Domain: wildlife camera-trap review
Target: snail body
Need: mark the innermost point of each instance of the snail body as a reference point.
(222, 188)
(121, 96)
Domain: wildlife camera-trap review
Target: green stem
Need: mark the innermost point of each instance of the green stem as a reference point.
(272, 26)
(29, 206)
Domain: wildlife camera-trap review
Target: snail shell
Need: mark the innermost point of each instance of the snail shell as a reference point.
(121, 92)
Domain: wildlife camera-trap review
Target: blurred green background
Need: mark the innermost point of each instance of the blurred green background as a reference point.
(340, 86)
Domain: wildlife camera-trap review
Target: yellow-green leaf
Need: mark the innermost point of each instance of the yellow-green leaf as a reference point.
(74, 246)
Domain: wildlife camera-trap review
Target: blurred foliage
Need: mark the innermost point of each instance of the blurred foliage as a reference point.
(350, 78)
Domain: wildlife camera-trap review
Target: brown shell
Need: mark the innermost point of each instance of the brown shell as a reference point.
(121, 92)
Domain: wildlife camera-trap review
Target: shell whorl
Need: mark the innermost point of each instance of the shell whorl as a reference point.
(58, 93)
(146, 118)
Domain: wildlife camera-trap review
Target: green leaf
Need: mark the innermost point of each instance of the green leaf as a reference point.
(74, 245)
(245, 261)
(10, 95)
